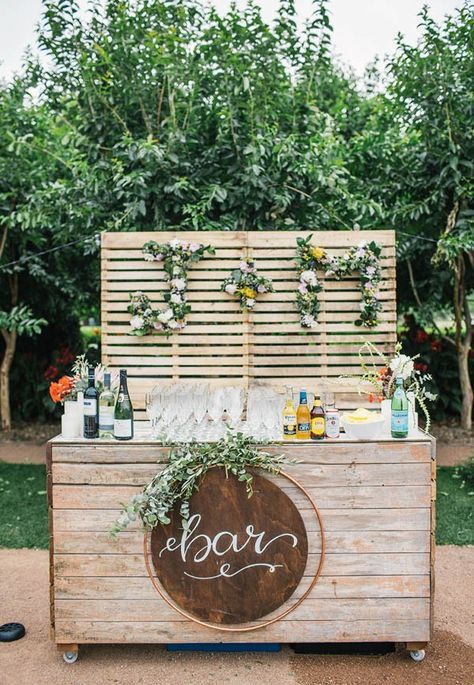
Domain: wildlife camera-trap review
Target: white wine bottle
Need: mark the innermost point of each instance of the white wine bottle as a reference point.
(123, 414)
(106, 410)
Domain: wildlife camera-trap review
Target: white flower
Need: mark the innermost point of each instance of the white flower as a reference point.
(231, 288)
(166, 315)
(244, 267)
(362, 243)
(309, 277)
(148, 257)
(184, 244)
(309, 321)
(250, 303)
(178, 283)
(176, 298)
(370, 270)
(137, 322)
(194, 247)
(261, 289)
(174, 324)
(402, 365)
(158, 326)
(176, 270)
(158, 257)
(174, 243)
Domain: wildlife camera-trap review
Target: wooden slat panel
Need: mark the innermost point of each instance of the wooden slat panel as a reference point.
(342, 587)
(375, 609)
(353, 497)
(183, 631)
(334, 564)
(347, 542)
(99, 520)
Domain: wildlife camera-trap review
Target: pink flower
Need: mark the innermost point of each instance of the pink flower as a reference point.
(159, 257)
(194, 247)
(261, 289)
(244, 267)
(231, 288)
(158, 326)
(302, 288)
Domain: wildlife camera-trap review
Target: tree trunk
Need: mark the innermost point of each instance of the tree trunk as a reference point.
(462, 314)
(10, 346)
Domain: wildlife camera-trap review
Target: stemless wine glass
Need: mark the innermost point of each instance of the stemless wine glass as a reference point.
(216, 409)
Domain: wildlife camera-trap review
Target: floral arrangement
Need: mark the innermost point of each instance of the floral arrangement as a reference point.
(364, 258)
(247, 284)
(67, 387)
(181, 476)
(177, 256)
(381, 373)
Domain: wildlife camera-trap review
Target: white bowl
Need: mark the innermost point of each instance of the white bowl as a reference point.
(364, 430)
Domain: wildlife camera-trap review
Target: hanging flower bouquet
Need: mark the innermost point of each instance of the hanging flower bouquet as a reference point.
(381, 372)
(364, 258)
(177, 256)
(247, 284)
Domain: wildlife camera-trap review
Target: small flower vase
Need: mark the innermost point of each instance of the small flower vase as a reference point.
(70, 420)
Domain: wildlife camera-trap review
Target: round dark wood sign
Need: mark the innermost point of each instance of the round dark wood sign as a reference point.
(239, 558)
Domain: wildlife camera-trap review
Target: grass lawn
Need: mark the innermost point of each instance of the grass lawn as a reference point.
(24, 515)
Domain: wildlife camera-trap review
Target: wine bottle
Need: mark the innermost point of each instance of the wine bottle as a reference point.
(318, 423)
(303, 418)
(91, 418)
(106, 410)
(399, 410)
(123, 414)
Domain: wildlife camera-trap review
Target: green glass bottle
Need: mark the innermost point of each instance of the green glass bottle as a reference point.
(123, 415)
(399, 410)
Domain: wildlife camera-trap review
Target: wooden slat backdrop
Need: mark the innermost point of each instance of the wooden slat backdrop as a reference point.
(224, 345)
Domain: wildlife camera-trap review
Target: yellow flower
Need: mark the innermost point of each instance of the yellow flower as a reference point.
(317, 252)
(248, 292)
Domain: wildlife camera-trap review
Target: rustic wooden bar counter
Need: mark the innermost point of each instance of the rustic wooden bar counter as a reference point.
(376, 503)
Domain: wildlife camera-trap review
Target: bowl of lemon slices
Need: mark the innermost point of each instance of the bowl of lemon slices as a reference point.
(362, 424)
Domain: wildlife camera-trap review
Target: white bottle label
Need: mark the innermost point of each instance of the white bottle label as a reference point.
(122, 428)
(106, 418)
(90, 406)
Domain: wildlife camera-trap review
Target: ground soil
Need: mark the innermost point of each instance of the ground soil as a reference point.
(25, 444)
(34, 660)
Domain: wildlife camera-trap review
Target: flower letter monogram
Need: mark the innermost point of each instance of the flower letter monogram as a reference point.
(177, 256)
(246, 284)
(364, 258)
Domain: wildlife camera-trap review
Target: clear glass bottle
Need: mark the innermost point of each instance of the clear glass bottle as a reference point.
(91, 409)
(106, 410)
(289, 417)
(399, 421)
(333, 423)
(123, 414)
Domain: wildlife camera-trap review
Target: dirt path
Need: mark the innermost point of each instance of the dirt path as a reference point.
(34, 659)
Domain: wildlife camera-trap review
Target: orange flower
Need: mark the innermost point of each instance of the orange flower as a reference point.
(59, 391)
(382, 372)
(371, 397)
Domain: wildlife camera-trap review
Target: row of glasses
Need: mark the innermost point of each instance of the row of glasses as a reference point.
(264, 413)
(181, 412)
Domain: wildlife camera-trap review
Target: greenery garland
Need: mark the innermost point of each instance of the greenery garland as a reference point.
(247, 284)
(181, 476)
(363, 258)
(177, 256)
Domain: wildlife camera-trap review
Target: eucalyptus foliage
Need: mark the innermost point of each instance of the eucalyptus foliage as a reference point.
(182, 474)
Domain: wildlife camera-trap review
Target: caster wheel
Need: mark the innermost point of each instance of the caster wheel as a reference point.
(70, 657)
(417, 655)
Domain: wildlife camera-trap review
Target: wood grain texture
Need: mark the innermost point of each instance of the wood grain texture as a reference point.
(262, 346)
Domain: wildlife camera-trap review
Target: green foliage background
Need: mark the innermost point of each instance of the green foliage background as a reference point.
(157, 114)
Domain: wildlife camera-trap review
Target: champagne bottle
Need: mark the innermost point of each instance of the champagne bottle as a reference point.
(91, 418)
(399, 410)
(123, 414)
(318, 423)
(106, 410)
(303, 418)
(289, 418)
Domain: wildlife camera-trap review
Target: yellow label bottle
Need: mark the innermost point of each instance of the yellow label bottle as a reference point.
(318, 423)
(289, 420)
(303, 421)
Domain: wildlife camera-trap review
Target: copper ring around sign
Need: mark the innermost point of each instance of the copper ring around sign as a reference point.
(263, 624)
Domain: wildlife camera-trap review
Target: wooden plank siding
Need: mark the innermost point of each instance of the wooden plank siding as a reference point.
(376, 583)
(220, 343)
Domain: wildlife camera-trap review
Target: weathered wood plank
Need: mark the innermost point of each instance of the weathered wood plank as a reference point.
(300, 631)
(353, 497)
(327, 587)
(334, 564)
(375, 609)
(361, 520)
(352, 542)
